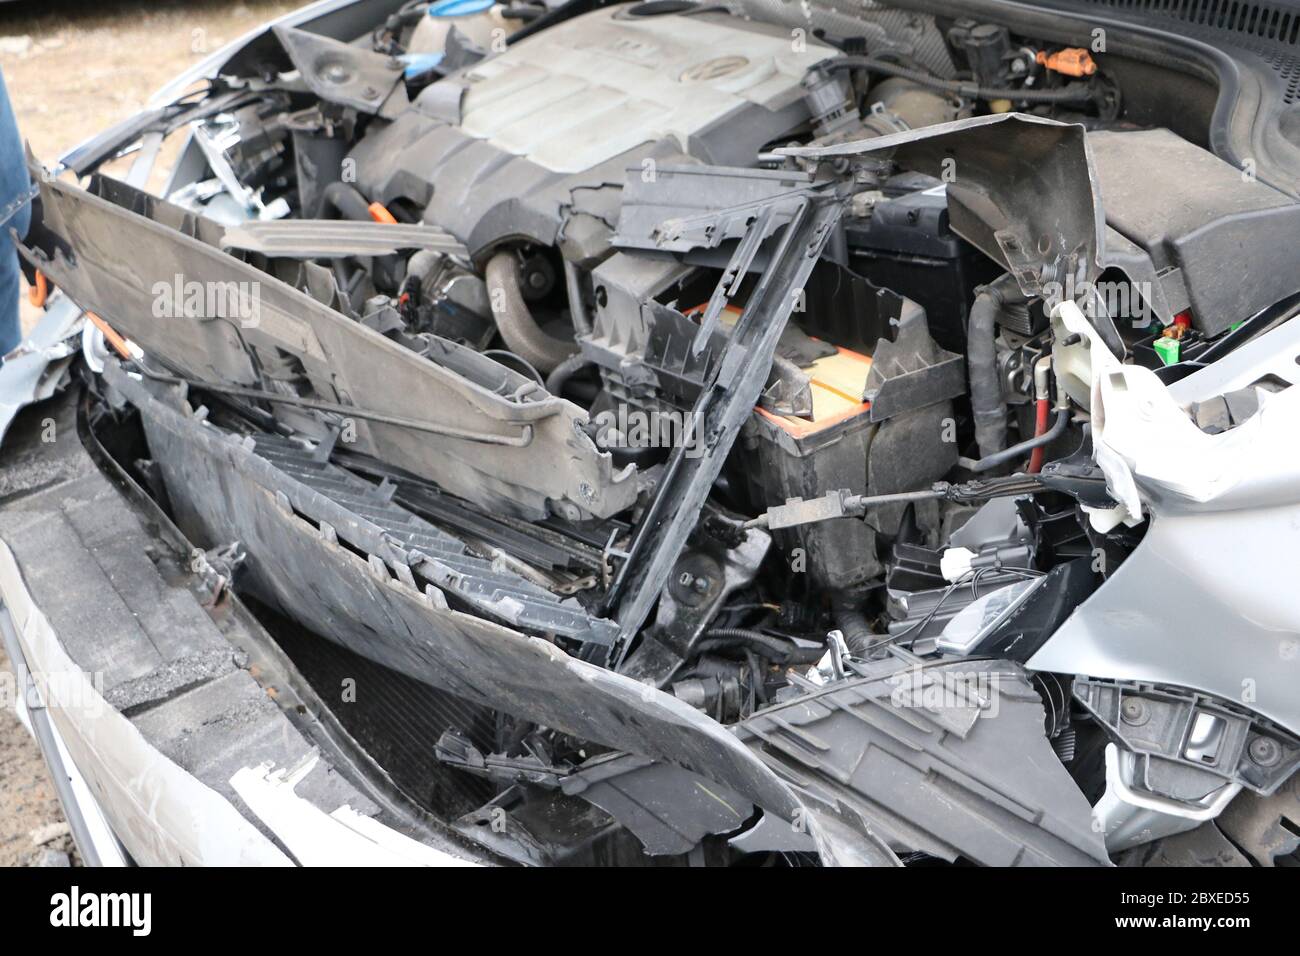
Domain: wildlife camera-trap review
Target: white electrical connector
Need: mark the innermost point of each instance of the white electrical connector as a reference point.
(956, 563)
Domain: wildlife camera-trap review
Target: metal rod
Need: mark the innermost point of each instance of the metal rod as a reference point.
(447, 431)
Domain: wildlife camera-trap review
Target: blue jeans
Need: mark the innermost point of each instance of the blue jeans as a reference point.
(13, 185)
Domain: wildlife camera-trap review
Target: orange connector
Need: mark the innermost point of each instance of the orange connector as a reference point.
(379, 213)
(1072, 61)
(38, 293)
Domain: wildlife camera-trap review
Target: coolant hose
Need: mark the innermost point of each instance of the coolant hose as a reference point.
(522, 334)
(990, 411)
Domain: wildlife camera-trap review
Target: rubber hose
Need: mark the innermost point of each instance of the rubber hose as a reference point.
(990, 411)
(573, 288)
(858, 635)
(350, 204)
(1024, 448)
(344, 199)
(421, 267)
(1075, 93)
(765, 644)
(561, 374)
(516, 324)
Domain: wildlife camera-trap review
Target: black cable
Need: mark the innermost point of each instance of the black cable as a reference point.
(524, 365)
(1020, 450)
(728, 637)
(407, 14)
(1073, 93)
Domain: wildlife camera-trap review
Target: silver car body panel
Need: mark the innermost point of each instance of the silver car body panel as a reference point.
(1225, 529)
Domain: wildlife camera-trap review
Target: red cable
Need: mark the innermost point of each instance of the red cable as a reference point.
(1040, 428)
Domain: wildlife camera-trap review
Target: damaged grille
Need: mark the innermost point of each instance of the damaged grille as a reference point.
(436, 555)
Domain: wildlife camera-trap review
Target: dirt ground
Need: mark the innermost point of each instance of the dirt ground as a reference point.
(32, 829)
(73, 68)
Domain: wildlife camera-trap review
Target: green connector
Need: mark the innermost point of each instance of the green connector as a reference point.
(1167, 349)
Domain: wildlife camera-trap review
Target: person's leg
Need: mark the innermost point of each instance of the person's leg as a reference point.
(14, 185)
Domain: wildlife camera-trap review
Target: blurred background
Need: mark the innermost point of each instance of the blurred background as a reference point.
(74, 67)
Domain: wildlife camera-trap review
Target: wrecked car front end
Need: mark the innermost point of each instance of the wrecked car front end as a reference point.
(660, 434)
